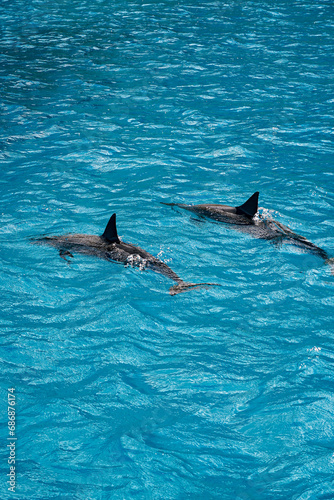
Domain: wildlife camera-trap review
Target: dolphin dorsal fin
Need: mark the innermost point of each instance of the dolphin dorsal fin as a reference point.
(110, 232)
(250, 206)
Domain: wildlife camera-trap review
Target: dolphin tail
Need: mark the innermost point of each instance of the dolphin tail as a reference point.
(330, 262)
(250, 206)
(184, 287)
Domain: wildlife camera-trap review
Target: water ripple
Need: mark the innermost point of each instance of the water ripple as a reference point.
(122, 390)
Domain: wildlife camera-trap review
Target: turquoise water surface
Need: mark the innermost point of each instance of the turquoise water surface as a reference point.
(123, 391)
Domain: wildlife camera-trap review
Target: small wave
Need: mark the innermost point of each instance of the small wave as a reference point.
(136, 261)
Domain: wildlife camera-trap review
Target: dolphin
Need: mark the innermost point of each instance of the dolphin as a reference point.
(108, 246)
(244, 218)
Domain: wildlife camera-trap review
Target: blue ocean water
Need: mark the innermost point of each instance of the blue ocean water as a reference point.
(123, 391)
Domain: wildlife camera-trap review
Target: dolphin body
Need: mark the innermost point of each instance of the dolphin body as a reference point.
(108, 246)
(243, 219)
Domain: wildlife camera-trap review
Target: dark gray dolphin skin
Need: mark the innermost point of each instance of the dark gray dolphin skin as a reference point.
(243, 219)
(108, 246)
